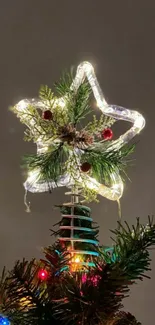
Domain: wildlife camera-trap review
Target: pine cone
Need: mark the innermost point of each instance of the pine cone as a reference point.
(75, 138)
(85, 137)
(67, 134)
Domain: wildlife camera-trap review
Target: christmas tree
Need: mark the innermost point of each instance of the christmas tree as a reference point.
(78, 281)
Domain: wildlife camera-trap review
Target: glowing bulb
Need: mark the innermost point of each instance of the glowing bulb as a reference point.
(4, 321)
(25, 302)
(61, 102)
(77, 260)
(76, 263)
(93, 279)
(22, 105)
(43, 275)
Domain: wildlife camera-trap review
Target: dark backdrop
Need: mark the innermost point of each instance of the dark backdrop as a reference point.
(38, 39)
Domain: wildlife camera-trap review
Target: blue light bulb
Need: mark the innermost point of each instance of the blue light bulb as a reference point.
(4, 321)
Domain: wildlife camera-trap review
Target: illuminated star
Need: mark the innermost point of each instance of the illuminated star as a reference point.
(85, 70)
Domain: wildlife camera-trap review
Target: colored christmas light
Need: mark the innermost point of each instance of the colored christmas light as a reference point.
(93, 279)
(43, 274)
(4, 321)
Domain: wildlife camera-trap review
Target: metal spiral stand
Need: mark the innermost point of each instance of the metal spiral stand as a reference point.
(76, 232)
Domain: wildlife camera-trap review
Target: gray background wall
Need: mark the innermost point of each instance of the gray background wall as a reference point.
(38, 39)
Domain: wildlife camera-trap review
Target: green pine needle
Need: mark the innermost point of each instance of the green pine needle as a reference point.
(77, 102)
(65, 298)
(63, 86)
(46, 94)
(51, 164)
(104, 162)
(131, 253)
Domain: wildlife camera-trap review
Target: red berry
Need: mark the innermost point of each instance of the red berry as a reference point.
(43, 275)
(85, 167)
(47, 115)
(107, 134)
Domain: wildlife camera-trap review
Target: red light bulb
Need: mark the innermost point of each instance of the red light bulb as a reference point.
(43, 274)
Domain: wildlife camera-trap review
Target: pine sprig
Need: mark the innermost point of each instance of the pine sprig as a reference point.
(78, 103)
(98, 125)
(27, 299)
(50, 164)
(46, 94)
(108, 161)
(123, 318)
(131, 249)
(26, 118)
(68, 299)
(57, 259)
(21, 293)
(88, 303)
(63, 86)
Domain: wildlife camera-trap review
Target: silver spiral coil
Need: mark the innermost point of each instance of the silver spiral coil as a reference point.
(76, 231)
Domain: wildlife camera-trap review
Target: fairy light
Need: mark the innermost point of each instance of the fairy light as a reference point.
(77, 259)
(25, 302)
(76, 263)
(4, 321)
(94, 279)
(113, 192)
(43, 275)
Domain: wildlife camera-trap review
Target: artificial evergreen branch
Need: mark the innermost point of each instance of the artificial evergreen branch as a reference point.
(27, 300)
(97, 125)
(77, 101)
(131, 253)
(46, 95)
(57, 259)
(51, 164)
(123, 318)
(106, 162)
(92, 297)
(62, 87)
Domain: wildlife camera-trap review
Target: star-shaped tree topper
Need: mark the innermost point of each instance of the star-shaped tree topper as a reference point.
(72, 153)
